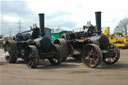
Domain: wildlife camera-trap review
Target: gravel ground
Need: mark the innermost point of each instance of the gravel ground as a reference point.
(70, 72)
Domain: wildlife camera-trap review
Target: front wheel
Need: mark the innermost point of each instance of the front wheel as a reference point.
(92, 55)
(32, 56)
(113, 56)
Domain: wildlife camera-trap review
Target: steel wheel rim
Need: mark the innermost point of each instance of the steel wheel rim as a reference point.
(92, 57)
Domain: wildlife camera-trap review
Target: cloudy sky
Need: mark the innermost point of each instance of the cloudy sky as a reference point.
(69, 14)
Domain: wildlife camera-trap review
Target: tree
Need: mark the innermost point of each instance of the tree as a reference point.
(122, 26)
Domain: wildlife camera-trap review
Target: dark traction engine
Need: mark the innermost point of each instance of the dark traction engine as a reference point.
(31, 46)
(89, 45)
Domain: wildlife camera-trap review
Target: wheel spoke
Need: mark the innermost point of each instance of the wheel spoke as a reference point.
(95, 61)
(114, 58)
(108, 60)
(90, 63)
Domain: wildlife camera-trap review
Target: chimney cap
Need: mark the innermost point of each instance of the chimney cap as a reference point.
(98, 12)
(41, 13)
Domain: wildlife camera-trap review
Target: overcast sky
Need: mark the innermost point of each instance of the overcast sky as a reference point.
(70, 14)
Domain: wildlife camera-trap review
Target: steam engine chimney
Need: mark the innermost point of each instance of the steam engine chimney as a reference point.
(41, 21)
(98, 21)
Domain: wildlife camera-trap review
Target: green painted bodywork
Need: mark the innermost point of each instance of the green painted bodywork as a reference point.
(57, 35)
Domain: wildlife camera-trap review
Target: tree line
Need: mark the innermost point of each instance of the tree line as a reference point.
(122, 26)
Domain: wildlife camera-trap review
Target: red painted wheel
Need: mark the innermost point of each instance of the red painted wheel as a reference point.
(92, 55)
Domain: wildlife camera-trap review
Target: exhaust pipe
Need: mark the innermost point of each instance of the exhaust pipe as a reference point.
(41, 21)
(98, 21)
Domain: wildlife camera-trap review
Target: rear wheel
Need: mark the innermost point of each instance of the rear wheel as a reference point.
(57, 59)
(10, 52)
(64, 48)
(113, 57)
(32, 56)
(92, 55)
